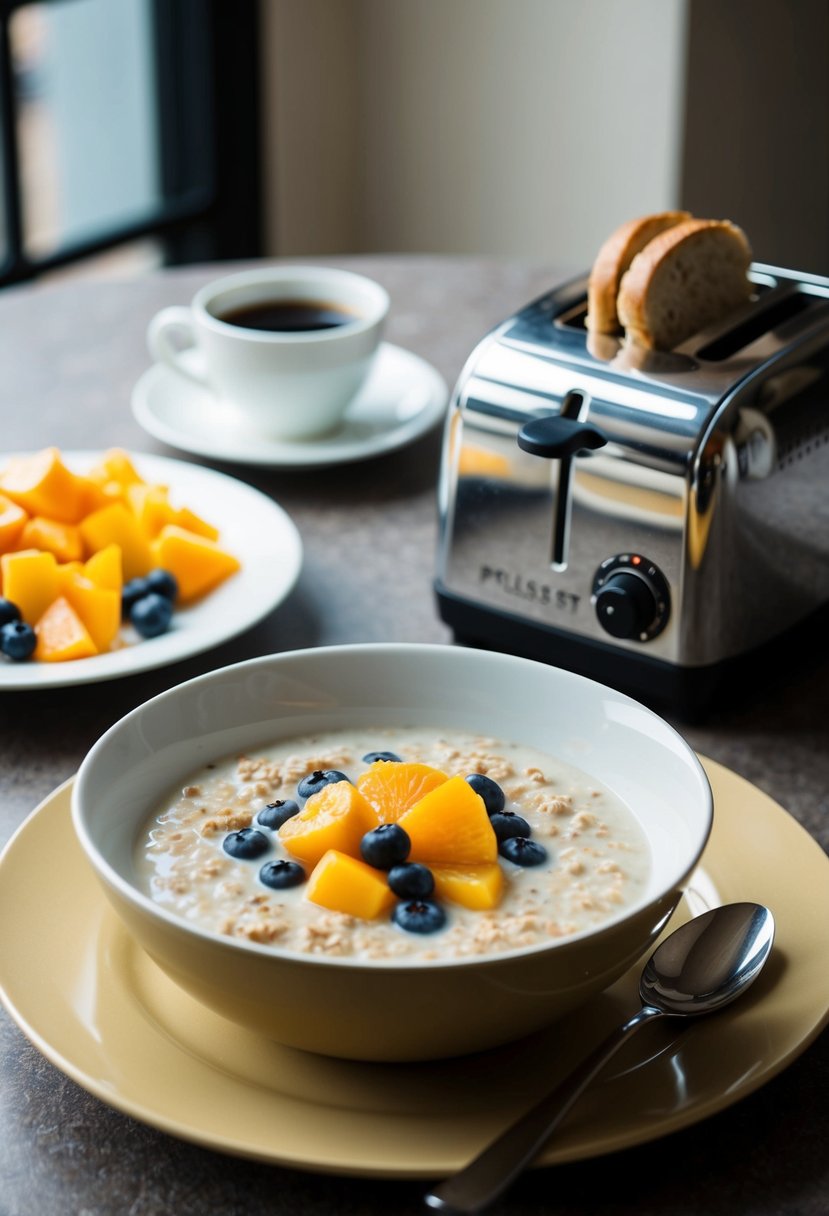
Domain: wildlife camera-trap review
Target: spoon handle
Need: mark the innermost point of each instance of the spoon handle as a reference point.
(490, 1173)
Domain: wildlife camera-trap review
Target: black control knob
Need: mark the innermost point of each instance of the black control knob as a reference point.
(626, 606)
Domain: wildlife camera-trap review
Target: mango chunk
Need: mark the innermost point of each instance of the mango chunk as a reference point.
(345, 884)
(191, 522)
(392, 788)
(115, 466)
(115, 524)
(12, 522)
(98, 608)
(30, 580)
(61, 635)
(43, 485)
(151, 507)
(104, 568)
(64, 540)
(450, 825)
(476, 887)
(336, 818)
(199, 564)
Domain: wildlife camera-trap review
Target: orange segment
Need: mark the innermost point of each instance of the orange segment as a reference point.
(61, 635)
(450, 825)
(336, 818)
(344, 884)
(392, 788)
(477, 887)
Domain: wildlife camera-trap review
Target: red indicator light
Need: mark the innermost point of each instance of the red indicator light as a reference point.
(636, 560)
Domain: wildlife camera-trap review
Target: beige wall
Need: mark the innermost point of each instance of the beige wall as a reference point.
(518, 127)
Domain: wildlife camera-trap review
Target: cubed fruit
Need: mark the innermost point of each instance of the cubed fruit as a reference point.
(450, 825)
(117, 525)
(64, 540)
(99, 608)
(30, 580)
(12, 522)
(477, 887)
(43, 485)
(336, 818)
(104, 568)
(392, 788)
(191, 522)
(150, 504)
(115, 466)
(197, 563)
(61, 635)
(344, 884)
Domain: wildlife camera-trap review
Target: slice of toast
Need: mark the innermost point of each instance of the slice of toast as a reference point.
(614, 258)
(684, 279)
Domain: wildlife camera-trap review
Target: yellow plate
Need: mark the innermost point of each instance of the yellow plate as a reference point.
(101, 1011)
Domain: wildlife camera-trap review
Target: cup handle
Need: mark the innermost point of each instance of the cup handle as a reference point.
(174, 320)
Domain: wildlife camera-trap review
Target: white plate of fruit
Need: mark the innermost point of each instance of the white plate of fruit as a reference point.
(113, 563)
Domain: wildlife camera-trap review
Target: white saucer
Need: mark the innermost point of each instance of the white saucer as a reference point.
(403, 397)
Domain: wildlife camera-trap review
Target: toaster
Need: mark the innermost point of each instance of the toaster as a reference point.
(649, 519)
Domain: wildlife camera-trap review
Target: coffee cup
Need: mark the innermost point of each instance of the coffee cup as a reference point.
(282, 349)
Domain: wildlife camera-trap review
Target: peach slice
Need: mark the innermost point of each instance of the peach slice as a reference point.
(450, 825)
(338, 817)
(476, 887)
(344, 884)
(393, 787)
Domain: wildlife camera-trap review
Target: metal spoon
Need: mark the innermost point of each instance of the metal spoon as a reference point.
(702, 966)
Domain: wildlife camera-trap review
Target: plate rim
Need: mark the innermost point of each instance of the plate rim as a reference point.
(19, 677)
(301, 455)
(379, 1168)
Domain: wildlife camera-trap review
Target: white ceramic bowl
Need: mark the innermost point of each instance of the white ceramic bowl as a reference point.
(392, 1010)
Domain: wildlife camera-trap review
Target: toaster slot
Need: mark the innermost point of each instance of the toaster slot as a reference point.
(762, 321)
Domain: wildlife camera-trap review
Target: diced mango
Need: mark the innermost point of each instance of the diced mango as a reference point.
(336, 818)
(392, 788)
(99, 608)
(477, 887)
(43, 485)
(117, 525)
(151, 507)
(30, 580)
(191, 522)
(198, 564)
(345, 884)
(61, 635)
(450, 825)
(115, 466)
(64, 540)
(104, 568)
(12, 521)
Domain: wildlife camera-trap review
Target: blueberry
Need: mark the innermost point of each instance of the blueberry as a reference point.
(316, 781)
(281, 874)
(411, 881)
(276, 813)
(162, 582)
(489, 790)
(522, 851)
(506, 824)
(372, 757)
(151, 615)
(10, 612)
(17, 640)
(245, 844)
(419, 916)
(385, 846)
(131, 592)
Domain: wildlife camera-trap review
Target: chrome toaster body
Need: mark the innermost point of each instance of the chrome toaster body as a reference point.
(707, 488)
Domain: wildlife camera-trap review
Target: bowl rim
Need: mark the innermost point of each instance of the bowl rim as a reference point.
(111, 877)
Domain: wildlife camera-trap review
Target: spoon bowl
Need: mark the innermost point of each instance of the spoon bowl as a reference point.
(700, 968)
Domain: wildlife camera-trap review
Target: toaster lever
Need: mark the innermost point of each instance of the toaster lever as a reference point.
(556, 437)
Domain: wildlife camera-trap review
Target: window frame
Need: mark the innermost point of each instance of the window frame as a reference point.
(194, 41)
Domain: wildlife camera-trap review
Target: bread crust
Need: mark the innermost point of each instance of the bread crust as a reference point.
(639, 280)
(614, 258)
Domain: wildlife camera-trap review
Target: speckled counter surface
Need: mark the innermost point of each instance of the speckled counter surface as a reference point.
(70, 354)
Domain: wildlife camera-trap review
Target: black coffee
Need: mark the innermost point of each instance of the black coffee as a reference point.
(288, 316)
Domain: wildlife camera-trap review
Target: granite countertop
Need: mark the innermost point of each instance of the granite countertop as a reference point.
(70, 353)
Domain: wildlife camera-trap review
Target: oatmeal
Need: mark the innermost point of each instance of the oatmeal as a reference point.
(515, 848)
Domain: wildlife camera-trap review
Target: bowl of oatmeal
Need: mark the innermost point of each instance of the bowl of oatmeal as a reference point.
(392, 852)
